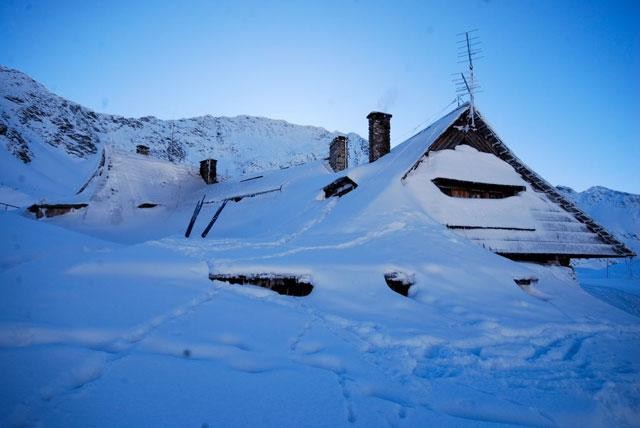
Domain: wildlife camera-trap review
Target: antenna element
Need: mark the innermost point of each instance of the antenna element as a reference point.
(469, 49)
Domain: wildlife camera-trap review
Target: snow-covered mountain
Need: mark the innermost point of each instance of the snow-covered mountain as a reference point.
(618, 212)
(59, 140)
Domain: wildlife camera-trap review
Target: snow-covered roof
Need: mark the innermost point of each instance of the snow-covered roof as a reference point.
(132, 179)
(536, 221)
(391, 187)
(525, 223)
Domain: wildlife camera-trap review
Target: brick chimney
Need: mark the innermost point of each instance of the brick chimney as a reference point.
(208, 170)
(379, 135)
(338, 153)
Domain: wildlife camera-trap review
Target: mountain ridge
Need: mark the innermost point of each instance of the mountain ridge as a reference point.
(33, 120)
(618, 211)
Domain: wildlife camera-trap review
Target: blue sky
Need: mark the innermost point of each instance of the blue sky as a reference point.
(560, 78)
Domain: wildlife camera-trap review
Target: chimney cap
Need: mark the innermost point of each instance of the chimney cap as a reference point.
(340, 138)
(378, 115)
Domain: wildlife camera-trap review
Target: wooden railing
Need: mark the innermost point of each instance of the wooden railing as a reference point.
(7, 207)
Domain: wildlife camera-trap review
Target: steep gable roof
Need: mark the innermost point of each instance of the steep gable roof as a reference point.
(484, 139)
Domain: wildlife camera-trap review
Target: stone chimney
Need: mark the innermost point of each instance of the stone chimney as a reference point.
(142, 150)
(338, 153)
(208, 171)
(379, 135)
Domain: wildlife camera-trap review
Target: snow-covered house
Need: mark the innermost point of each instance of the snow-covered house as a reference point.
(458, 175)
(463, 177)
(478, 188)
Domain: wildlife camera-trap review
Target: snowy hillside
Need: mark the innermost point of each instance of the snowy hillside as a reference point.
(619, 212)
(48, 144)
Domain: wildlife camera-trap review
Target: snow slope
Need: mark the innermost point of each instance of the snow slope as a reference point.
(50, 145)
(137, 335)
(122, 327)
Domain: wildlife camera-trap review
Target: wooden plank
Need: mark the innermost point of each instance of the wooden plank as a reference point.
(453, 226)
(237, 198)
(196, 211)
(205, 232)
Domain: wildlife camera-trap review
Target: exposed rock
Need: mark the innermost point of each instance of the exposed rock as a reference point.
(14, 99)
(17, 145)
(175, 152)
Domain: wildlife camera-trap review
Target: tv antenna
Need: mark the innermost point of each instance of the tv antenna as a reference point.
(469, 50)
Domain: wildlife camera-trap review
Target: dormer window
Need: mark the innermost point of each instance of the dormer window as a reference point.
(339, 187)
(473, 190)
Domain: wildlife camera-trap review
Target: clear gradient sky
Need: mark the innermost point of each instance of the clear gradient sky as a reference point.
(560, 78)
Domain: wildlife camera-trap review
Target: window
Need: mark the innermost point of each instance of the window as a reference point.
(474, 190)
(339, 187)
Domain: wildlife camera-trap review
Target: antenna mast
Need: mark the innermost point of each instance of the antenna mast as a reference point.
(473, 124)
(468, 44)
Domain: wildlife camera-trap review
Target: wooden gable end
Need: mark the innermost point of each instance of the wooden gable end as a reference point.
(456, 135)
